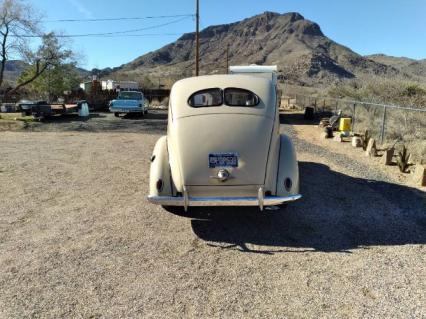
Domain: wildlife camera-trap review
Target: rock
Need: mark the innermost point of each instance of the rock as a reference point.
(371, 148)
(338, 138)
(411, 159)
(387, 156)
(327, 132)
(419, 176)
(324, 122)
(356, 141)
(324, 135)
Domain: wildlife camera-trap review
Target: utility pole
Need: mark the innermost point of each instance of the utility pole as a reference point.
(227, 58)
(197, 39)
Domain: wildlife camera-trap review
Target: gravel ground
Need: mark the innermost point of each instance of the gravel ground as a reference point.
(78, 238)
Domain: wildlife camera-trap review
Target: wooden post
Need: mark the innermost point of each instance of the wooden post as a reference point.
(197, 39)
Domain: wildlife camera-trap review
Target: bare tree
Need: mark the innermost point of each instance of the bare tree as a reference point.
(18, 19)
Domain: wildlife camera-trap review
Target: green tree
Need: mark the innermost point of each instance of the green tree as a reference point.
(51, 54)
(53, 81)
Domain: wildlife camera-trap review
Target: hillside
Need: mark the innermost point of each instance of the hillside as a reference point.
(405, 65)
(13, 69)
(302, 52)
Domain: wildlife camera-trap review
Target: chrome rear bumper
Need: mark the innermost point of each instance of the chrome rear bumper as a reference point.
(222, 201)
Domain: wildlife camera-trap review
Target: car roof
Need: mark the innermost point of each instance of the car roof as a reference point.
(183, 89)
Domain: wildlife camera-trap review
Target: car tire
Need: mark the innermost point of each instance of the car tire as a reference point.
(116, 114)
(145, 112)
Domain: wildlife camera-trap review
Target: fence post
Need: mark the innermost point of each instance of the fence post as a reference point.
(382, 134)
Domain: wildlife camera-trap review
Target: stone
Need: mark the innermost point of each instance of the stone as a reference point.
(388, 156)
(338, 138)
(329, 131)
(356, 141)
(419, 176)
(324, 135)
(324, 122)
(371, 150)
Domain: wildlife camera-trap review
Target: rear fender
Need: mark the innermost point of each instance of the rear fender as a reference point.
(160, 170)
(288, 168)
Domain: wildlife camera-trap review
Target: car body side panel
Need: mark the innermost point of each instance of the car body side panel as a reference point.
(273, 159)
(160, 170)
(288, 167)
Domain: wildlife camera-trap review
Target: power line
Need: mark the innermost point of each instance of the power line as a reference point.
(140, 35)
(105, 34)
(122, 18)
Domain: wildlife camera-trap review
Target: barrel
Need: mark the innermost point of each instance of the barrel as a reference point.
(345, 124)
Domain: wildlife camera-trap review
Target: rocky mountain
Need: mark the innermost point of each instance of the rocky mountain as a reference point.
(302, 52)
(406, 66)
(14, 69)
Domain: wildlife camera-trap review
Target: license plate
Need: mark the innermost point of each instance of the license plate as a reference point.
(223, 160)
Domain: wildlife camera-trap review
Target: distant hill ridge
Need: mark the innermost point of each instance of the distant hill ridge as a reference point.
(302, 52)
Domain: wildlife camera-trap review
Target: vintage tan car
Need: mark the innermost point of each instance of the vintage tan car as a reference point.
(223, 146)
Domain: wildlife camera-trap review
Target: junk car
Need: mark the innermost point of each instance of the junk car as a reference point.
(223, 146)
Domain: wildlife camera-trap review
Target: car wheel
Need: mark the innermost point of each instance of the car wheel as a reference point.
(146, 111)
(116, 114)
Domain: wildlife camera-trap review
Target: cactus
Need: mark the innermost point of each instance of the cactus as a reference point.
(365, 139)
(402, 159)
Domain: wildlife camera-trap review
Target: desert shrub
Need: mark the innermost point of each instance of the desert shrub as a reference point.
(380, 90)
(402, 159)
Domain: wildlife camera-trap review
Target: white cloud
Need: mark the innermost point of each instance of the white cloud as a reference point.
(81, 8)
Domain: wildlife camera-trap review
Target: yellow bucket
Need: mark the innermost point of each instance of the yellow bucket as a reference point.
(345, 124)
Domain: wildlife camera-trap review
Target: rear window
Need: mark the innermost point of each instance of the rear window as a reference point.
(206, 98)
(240, 97)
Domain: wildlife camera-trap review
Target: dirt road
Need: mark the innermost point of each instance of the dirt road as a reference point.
(78, 238)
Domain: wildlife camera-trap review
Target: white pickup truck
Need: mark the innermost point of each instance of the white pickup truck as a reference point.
(129, 102)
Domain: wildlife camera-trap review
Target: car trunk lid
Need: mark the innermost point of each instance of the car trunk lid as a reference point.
(245, 135)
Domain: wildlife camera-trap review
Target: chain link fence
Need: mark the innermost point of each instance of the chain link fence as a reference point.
(388, 124)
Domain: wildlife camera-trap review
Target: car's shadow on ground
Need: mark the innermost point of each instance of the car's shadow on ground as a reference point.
(338, 213)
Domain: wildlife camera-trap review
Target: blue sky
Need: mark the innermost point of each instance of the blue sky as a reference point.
(393, 27)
